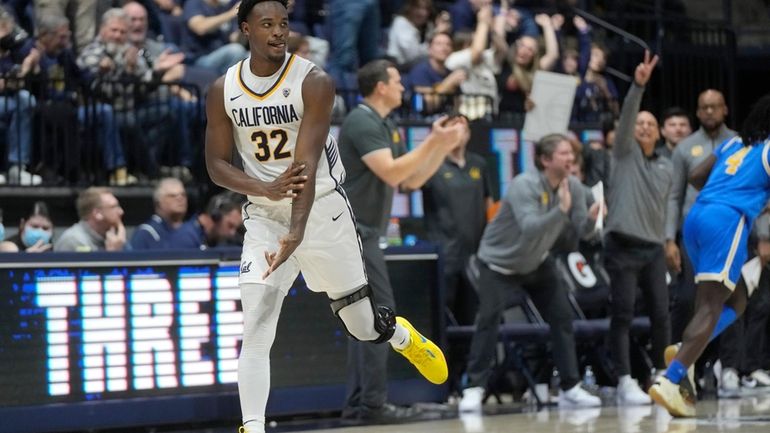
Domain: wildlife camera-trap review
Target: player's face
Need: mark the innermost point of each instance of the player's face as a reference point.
(646, 128)
(393, 90)
(675, 129)
(561, 160)
(712, 109)
(267, 29)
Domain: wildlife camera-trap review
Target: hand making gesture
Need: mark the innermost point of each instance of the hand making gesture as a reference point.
(644, 70)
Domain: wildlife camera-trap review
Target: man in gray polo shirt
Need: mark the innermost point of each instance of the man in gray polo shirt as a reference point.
(688, 154)
(639, 186)
(376, 162)
(540, 209)
(100, 227)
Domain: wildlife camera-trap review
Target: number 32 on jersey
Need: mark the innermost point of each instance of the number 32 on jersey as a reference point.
(270, 144)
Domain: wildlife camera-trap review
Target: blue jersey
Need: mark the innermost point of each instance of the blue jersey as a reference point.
(740, 178)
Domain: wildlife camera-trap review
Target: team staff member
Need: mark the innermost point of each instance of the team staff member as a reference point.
(688, 154)
(639, 186)
(455, 201)
(376, 162)
(539, 210)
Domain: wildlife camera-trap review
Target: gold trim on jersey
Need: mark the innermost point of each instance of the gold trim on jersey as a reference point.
(268, 92)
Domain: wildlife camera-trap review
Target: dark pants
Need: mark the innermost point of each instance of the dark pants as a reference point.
(742, 345)
(549, 294)
(633, 264)
(368, 363)
(683, 299)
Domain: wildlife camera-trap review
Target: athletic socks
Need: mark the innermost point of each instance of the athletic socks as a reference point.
(676, 371)
(726, 319)
(400, 339)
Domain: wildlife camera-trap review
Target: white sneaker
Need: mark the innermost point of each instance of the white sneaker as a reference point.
(630, 394)
(729, 383)
(471, 401)
(2, 179)
(578, 397)
(762, 377)
(17, 175)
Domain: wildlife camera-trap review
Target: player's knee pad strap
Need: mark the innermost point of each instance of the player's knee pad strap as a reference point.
(384, 317)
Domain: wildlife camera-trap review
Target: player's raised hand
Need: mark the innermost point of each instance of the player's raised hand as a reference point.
(644, 70)
(288, 185)
(288, 244)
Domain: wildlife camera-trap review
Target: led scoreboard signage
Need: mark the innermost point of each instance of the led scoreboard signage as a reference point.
(156, 340)
(90, 333)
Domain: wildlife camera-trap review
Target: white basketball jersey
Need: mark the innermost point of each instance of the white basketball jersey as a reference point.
(266, 113)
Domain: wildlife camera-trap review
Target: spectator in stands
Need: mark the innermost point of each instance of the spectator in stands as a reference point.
(18, 58)
(596, 98)
(147, 120)
(62, 95)
(100, 227)
(355, 33)
(676, 126)
(430, 79)
(81, 13)
(639, 187)
(688, 154)
(211, 39)
(214, 226)
(35, 231)
(517, 22)
(597, 160)
(573, 61)
(473, 55)
(407, 37)
(455, 200)
(317, 48)
(518, 71)
(539, 208)
(169, 12)
(170, 200)
(179, 103)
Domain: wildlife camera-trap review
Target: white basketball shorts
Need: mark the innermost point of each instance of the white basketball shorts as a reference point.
(329, 256)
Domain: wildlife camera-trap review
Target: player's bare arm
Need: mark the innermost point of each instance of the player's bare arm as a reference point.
(318, 94)
(219, 151)
(700, 174)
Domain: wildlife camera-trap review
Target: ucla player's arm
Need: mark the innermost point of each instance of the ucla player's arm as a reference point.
(701, 173)
(318, 98)
(219, 150)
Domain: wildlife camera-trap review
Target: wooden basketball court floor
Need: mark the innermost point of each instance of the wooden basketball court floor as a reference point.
(748, 414)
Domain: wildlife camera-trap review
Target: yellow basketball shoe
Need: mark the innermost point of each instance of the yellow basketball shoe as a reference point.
(676, 399)
(668, 357)
(424, 354)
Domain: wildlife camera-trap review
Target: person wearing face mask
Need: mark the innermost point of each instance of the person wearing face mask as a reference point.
(35, 231)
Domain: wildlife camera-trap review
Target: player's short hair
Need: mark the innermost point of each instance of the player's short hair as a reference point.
(372, 73)
(247, 5)
(756, 126)
(674, 112)
(90, 199)
(546, 146)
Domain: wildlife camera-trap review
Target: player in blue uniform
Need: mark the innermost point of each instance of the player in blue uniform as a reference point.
(716, 232)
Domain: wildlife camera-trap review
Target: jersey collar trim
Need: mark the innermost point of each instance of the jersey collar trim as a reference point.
(272, 89)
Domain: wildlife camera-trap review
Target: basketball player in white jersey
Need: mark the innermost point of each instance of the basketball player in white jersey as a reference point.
(276, 109)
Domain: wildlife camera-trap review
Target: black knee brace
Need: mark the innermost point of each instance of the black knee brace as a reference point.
(384, 317)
